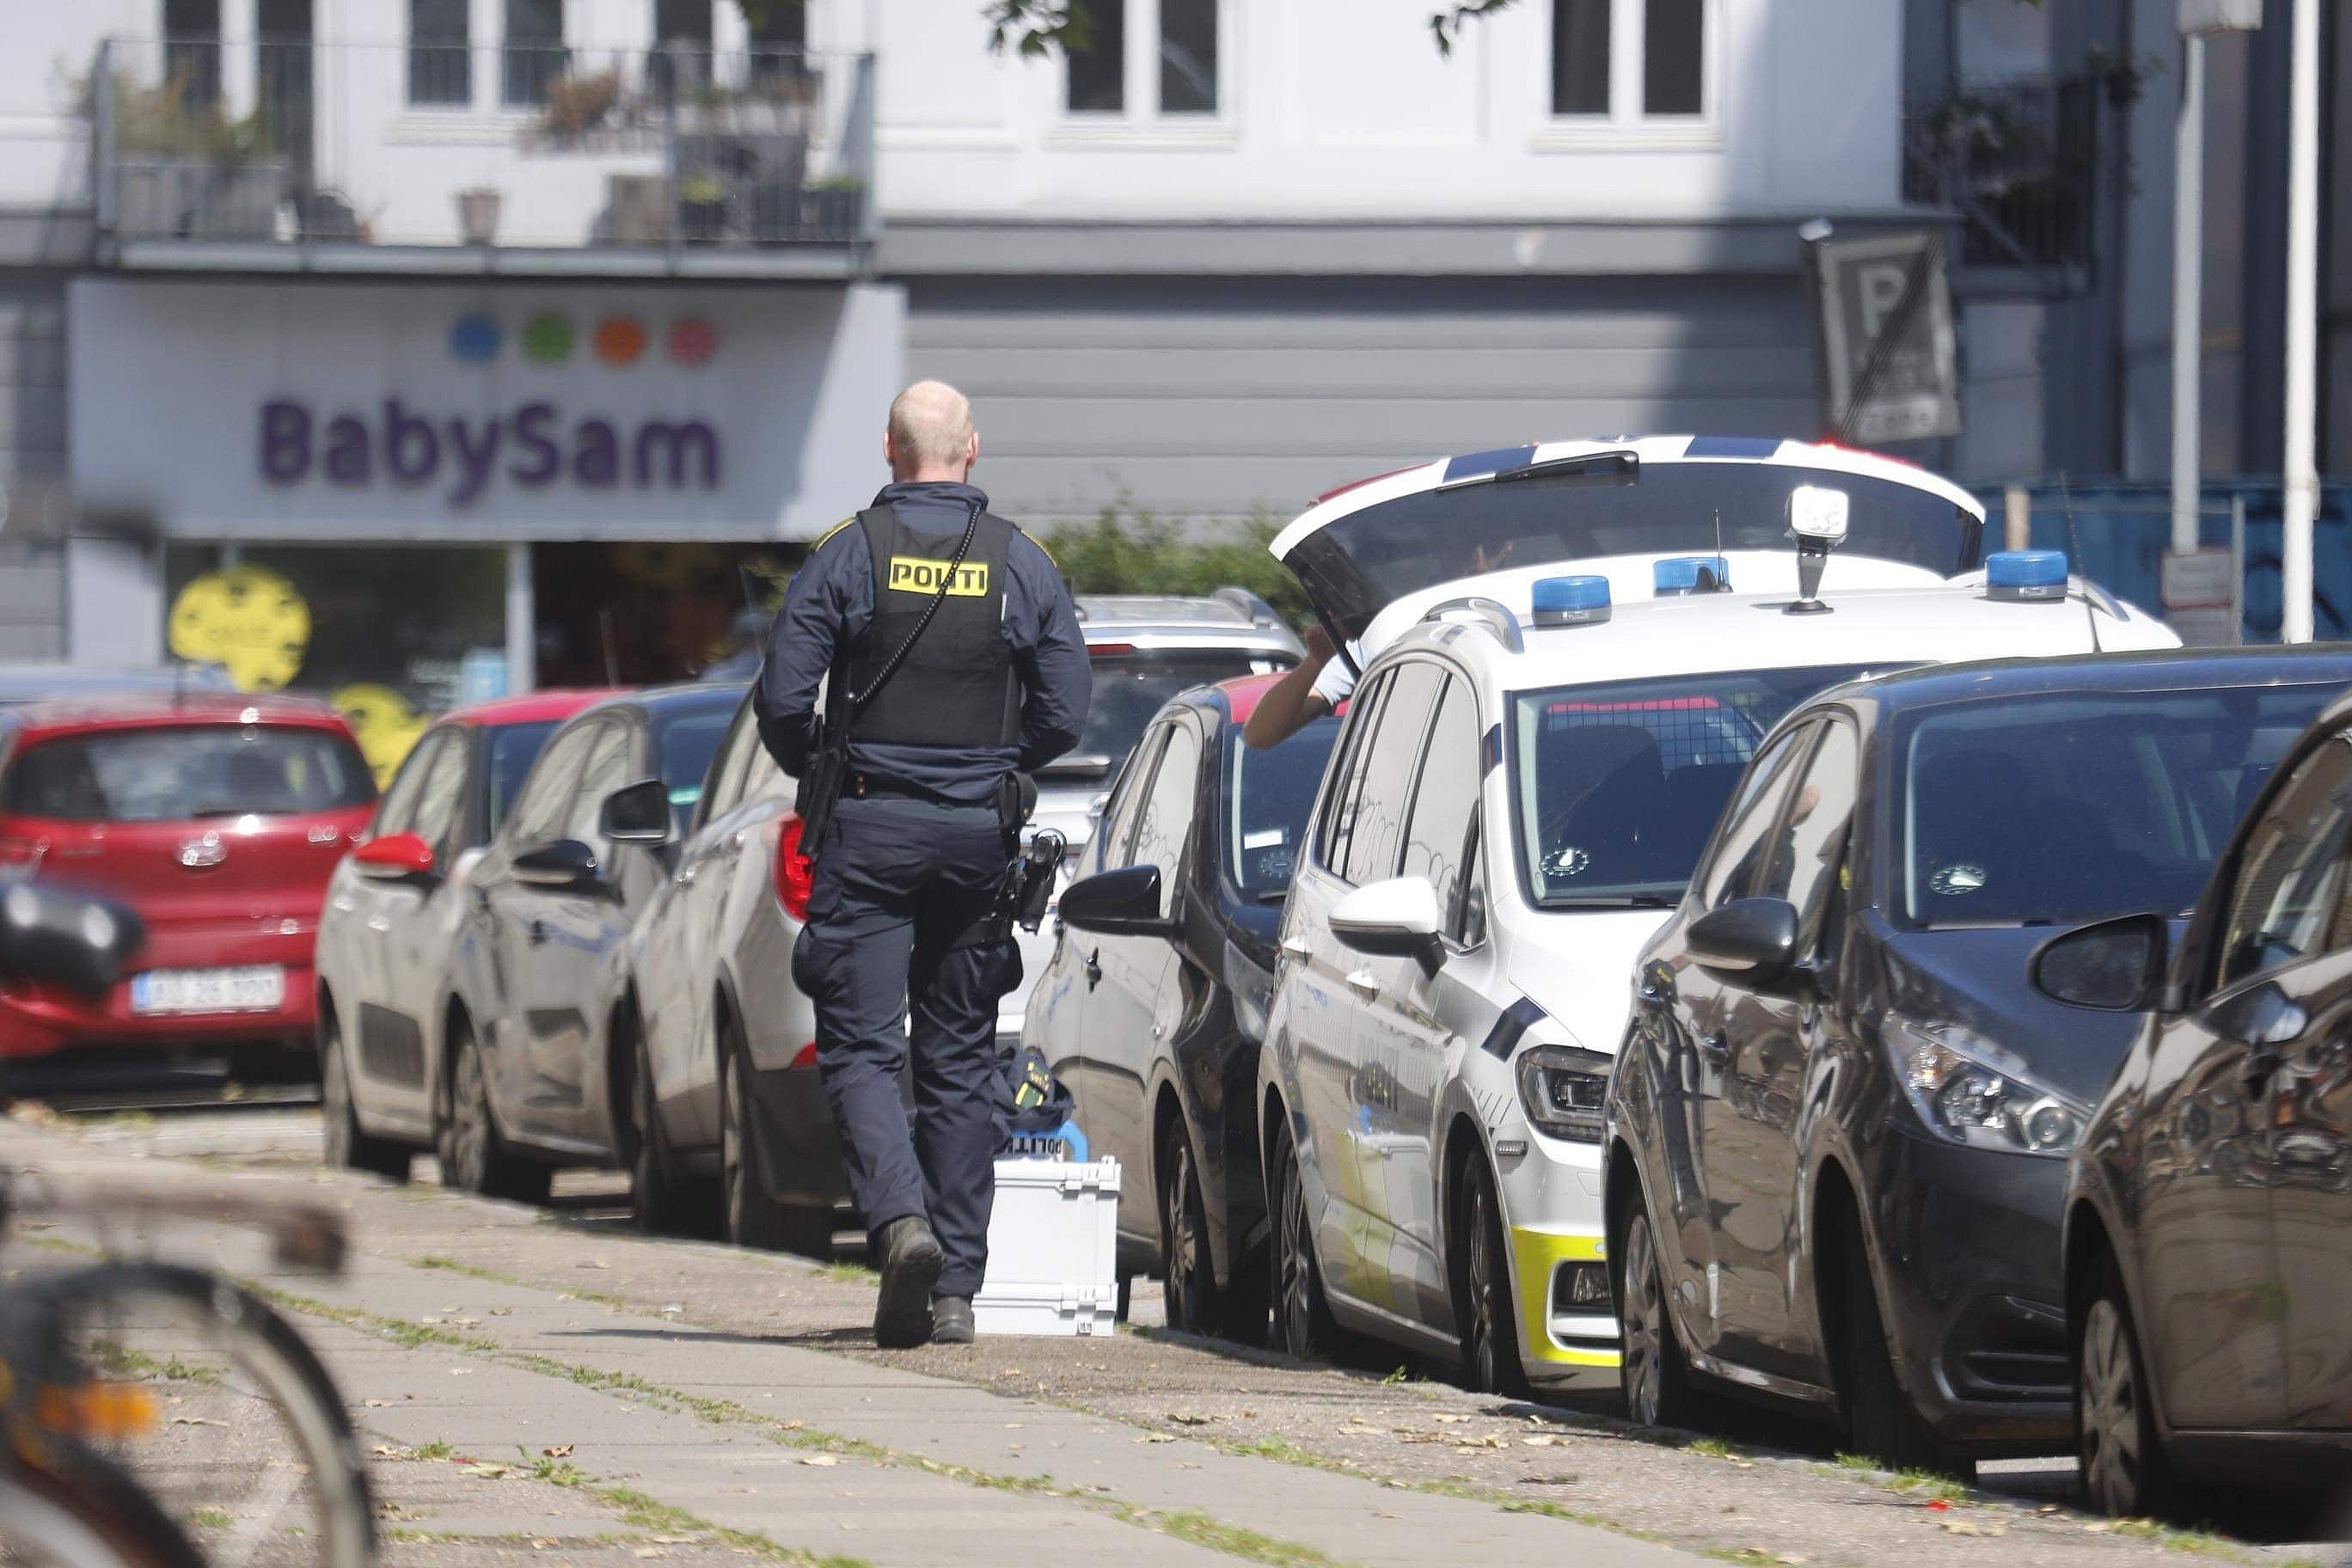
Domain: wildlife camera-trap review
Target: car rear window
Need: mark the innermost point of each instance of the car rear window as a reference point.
(183, 773)
(1130, 684)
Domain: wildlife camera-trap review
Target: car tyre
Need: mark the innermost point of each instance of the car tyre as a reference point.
(2124, 1469)
(347, 1147)
(1652, 1369)
(474, 1159)
(1482, 1289)
(1880, 1421)
(1196, 1303)
(1302, 1315)
(753, 1218)
(654, 1200)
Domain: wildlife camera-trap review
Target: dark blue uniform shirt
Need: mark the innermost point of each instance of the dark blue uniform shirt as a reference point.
(830, 604)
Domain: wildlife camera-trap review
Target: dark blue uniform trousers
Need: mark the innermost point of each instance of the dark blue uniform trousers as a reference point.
(898, 882)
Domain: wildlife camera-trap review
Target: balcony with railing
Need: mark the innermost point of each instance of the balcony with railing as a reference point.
(2018, 162)
(452, 157)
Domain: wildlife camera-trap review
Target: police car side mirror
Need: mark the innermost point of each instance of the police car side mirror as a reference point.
(1395, 919)
(1124, 902)
(636, 813)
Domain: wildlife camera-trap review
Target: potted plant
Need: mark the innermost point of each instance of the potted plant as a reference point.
(579, 105)
(701, 209)
(187, 171)
(477, 215)
(833, 208)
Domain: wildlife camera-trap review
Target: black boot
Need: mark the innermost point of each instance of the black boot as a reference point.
(910, 1259)
(952, 1320)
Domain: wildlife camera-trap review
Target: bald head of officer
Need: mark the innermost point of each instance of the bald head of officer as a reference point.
(959, 636)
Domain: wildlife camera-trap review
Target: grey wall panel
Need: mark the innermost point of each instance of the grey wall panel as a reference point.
(1221, 399)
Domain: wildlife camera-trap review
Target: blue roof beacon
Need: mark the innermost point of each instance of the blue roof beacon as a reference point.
(2026, 575)
(1570, 601)
(1680, 575)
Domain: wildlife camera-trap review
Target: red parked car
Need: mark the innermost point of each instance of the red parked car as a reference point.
(216, 816)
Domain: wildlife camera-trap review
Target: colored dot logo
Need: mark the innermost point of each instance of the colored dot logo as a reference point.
(549, 338)
(474, 339)
(620, 341)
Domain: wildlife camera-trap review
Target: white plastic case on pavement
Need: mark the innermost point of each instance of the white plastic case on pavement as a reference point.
(1053, 1248)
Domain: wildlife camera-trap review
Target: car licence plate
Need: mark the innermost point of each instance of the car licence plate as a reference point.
(261, 988)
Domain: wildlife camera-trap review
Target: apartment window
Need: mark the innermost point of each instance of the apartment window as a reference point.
(1628, 61)
(779, 37)
(440, 52)
(1149, 59)
(192, 31)
(681, 56)
(533, 54)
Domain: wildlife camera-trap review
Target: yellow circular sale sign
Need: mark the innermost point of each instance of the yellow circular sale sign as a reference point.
(246, 619)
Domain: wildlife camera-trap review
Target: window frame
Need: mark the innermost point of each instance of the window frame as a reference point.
(451, 751)
(1419, 754)
(432, 53)
(394, 809)
(1799, 738)
(1824, 726)
(1134, 780)
(1139, 118)
(558, 787)
(2336, 751)
(1363, 713)
(1172, 877)
(1626, 124)
(1450, 680)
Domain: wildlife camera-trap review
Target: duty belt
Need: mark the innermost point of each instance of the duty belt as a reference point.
(865, 786)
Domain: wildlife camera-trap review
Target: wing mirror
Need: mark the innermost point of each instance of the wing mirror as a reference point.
(1395, 919)
(566, 865)
(393, 856)
(63, 939)
(636, 813)
(1751, 941)
(1124, 902)
(2109, 967)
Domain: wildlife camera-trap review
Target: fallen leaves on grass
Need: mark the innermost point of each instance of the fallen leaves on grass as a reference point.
(560, 1451)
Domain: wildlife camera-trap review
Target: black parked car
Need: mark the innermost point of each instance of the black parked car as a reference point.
(1840, 1119)
(541, 1031)
(1153, 1005)
(2208, 1207)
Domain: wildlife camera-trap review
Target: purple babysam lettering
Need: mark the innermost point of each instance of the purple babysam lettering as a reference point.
(349, 460)
(474, 460)
(658, 436)
(530, 423)
(411, 450)
(596, 455)
(285, 442)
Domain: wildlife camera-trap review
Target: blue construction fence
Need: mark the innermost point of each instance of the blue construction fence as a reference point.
(2116, 536)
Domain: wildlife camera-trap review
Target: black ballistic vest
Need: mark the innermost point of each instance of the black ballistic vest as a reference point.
(957, 687)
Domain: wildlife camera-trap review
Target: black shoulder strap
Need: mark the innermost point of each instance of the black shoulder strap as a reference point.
(857, 699)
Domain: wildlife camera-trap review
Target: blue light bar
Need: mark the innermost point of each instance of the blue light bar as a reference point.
(1681, 574)
(2026, 575)
(1570, 601)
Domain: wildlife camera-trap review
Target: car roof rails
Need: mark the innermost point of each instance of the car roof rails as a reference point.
(1258, 611)
(1476, 610)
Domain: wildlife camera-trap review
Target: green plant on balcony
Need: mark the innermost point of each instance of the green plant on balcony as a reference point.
(157, 120)
(577, 105)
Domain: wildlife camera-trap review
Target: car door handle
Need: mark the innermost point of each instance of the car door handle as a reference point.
(1364, 982)
(1651, 992)
(536, 931)
(1093, 964)
(687, 874)
(733, 843)
(1716, 1045)
(1159, 1031)
(1301, 951)
(378, 923)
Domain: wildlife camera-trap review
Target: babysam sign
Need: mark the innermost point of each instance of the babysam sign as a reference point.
(523, 411)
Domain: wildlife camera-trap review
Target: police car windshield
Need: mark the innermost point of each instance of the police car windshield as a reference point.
(2066, 807)
(1616, 787)
(1353, 567)
(1130, 685)
(1267, 797)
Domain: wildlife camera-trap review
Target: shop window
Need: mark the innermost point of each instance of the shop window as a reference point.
(440, 52)
(1174, 75)
(1628, 61)
(533, 55)
(191, 44)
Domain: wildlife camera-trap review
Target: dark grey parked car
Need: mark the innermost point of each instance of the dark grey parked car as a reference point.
(1840, 1119)
(2208, 1209)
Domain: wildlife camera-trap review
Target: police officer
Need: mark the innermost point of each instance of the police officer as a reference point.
(997, 681)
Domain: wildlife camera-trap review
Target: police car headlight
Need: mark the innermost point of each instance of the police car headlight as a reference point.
(1563, 1090)
(1971, 1091)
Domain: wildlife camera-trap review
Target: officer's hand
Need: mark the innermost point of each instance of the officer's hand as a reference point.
(1319, 646)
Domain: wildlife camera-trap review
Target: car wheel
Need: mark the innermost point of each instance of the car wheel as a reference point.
(1880, 1421)
(347, 1147)
(1302, 1317)
(2124, 1466)
(1650, 1368)
(654, 1198)
(1193, 1306)
(1481, 1290)
(753, 1218)
(472, 1158)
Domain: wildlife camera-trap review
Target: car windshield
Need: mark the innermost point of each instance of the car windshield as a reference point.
(1132, 684)
(2065, 807)
(688, 743)
(1618, 787)
(1354, 566)
(1268, 794)
(183, 772)
(513, 748)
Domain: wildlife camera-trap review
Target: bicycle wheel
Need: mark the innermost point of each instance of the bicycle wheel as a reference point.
(67, 1508)
(254, 1449)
